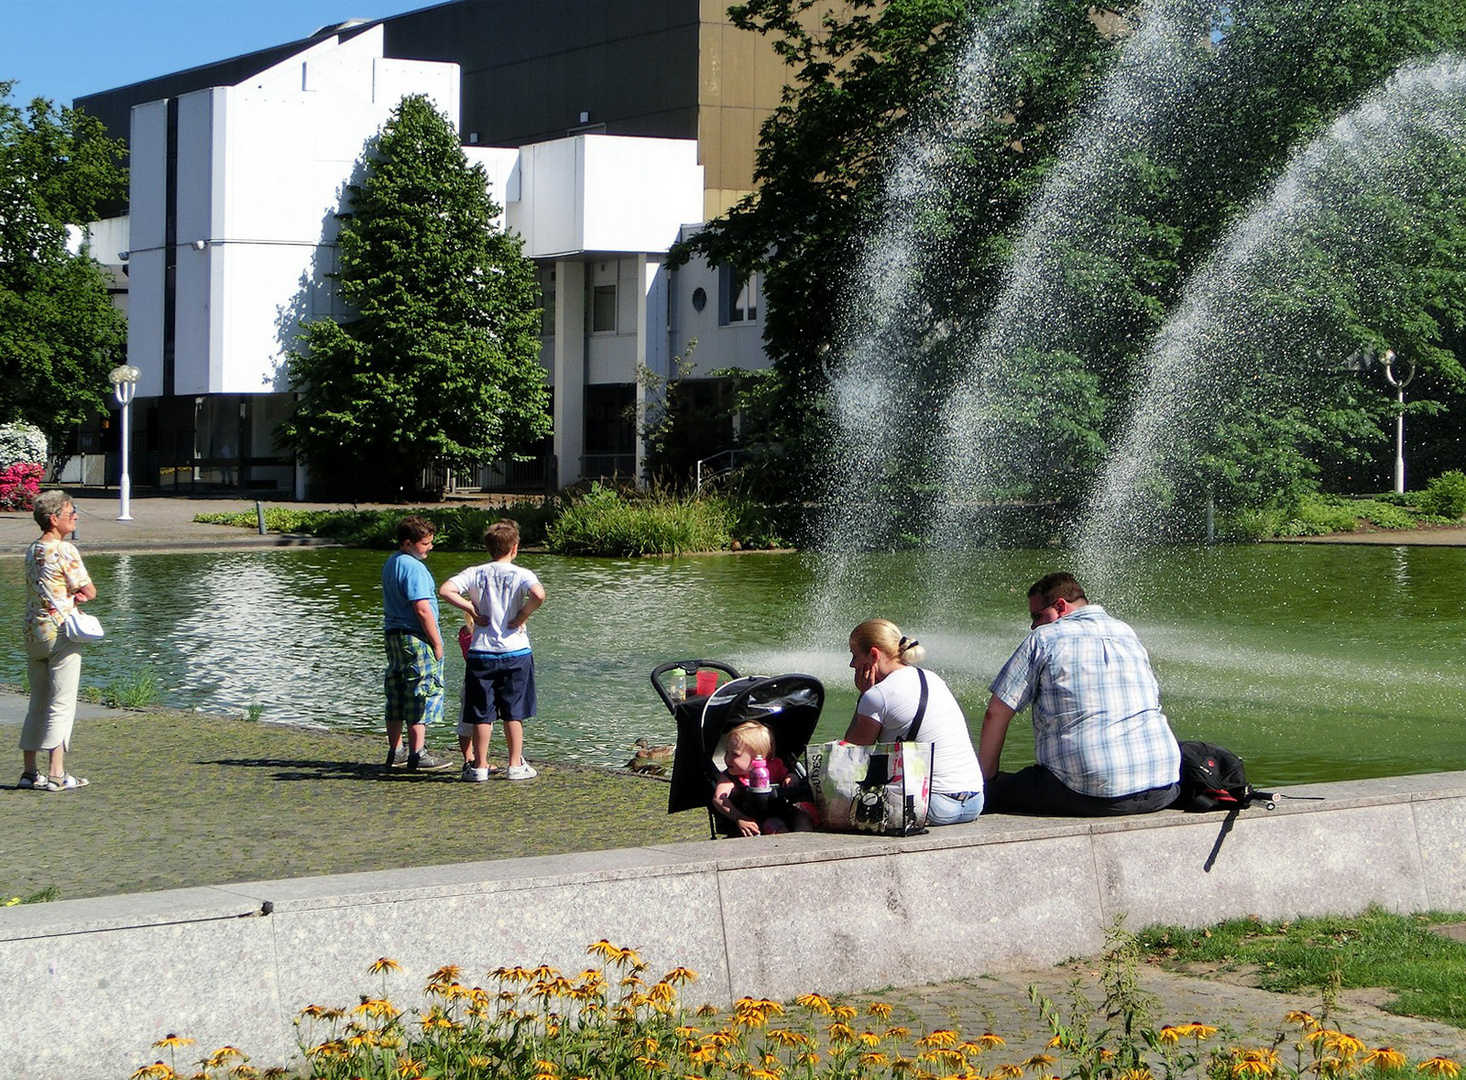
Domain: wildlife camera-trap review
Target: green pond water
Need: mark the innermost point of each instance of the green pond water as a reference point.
(1313, 662)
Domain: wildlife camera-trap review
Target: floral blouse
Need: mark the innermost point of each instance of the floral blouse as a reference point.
(53, 573)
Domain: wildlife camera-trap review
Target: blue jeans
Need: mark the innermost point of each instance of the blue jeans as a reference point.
(945, 810)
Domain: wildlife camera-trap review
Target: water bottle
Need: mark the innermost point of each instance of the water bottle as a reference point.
(677, 684)
(758, 776)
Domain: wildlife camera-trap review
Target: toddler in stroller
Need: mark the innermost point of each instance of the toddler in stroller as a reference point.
(786, 708)
(756, 813)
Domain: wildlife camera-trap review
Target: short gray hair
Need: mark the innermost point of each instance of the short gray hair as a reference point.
(49, 503)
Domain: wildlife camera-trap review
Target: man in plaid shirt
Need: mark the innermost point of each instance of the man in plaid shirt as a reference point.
(1102, 744)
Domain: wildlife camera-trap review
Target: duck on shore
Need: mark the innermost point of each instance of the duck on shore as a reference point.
(649, 758)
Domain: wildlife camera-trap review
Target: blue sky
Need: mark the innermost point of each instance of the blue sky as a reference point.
(65, 49)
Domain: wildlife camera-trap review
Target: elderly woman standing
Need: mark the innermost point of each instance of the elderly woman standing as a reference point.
(55, 581)
(890, 691)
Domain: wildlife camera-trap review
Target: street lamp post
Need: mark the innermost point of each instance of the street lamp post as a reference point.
(124, 379)
(1399, 383)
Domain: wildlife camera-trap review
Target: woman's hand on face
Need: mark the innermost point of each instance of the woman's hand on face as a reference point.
(865, 677)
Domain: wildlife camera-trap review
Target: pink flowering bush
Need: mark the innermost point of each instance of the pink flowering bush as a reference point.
(19, 486)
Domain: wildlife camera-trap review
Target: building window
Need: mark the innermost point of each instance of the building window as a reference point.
(738, 295)
(603, 309)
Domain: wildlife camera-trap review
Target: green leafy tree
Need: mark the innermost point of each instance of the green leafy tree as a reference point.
(59, 331)
(1244, 86)
(440, 364)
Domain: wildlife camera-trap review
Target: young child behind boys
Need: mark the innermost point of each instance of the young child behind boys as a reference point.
(731, 797)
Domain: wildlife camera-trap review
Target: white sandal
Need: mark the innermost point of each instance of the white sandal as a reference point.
(66, 782)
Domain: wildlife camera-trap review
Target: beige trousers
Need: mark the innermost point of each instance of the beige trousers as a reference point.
(54, 668)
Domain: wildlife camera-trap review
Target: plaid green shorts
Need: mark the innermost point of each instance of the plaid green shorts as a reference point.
(414, 681)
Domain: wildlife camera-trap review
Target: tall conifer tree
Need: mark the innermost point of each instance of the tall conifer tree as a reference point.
(440, 363)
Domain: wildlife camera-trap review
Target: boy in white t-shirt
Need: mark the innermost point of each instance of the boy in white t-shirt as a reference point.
(499, 680)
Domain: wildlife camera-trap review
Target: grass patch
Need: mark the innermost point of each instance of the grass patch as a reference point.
(607, 522)
(139, 690)
(40, 896)
(1375, 949)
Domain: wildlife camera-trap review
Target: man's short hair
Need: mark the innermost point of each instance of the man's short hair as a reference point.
(1058, 586)
(501, 536)
(412, 528)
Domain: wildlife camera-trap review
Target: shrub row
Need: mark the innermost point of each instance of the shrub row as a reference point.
(604, 521)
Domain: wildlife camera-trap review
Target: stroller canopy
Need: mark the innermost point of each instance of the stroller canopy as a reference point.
(788, 705)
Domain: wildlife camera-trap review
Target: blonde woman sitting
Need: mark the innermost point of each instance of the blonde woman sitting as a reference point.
(890, 691)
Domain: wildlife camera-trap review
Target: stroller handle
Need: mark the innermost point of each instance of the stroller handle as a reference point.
(690, 666)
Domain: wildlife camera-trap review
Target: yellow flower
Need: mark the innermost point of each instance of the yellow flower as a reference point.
(844, 1012)
(383, 964)
(1169, 1035)
(1303, 1019)
(1439, 1066)
(989, 1041)
(1384, 1058)
(680, 976)
(1136, 1074)
(1196, 1030)
(222, 1056)
(841, 1032)
(172, 1042)
(815, 1003)
(410, 1068)
(940, 1037)
(448, 973)
(707, 1009)
(1039, 1061)
(1007, 1072)
(809, 1059)
(897, 1033)
(1346, 1046)
(879, 1009)
(604, 949)
(156, 1071)
(543, 1066)
(872, 1059)
(1255, 1063)
(944, 1056)
(785, 1037)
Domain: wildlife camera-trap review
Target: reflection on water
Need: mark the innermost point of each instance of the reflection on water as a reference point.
(1313, 662)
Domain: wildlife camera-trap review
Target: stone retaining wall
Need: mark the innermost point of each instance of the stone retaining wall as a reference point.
(90, 984)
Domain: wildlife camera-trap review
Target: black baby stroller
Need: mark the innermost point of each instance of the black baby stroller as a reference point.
(789, 705)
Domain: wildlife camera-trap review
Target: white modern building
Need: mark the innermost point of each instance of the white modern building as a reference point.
(229, 244)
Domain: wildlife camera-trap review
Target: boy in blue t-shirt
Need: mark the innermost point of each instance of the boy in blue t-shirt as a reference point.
(414, 679)
(499, 680)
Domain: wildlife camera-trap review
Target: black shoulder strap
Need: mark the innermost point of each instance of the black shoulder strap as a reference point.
(910, 735)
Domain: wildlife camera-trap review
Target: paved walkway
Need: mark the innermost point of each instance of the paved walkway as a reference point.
(180, 800)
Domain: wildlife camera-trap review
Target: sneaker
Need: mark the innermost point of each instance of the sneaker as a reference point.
(30, 781)
(475, 776)
(426, 762)
(395, 756)
(468, 770)
(66, 782)
(525, 771)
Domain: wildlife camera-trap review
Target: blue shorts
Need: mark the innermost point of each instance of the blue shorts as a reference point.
(499, 687)
(414, 680)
